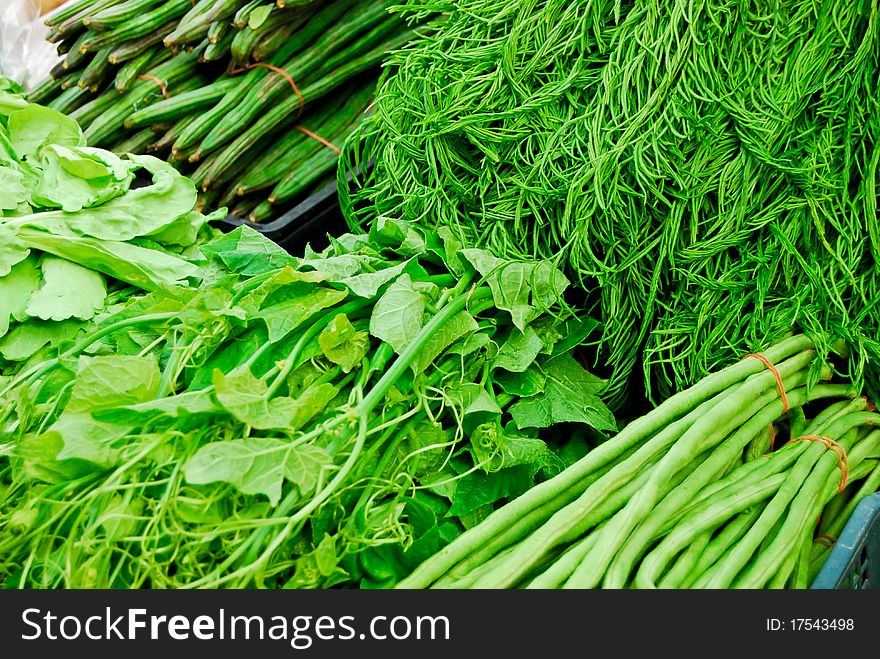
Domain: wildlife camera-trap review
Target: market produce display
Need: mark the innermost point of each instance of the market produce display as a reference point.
(706, 170)
(251, 99)
(291, 422)
(605, 315)
(692, 494)
(236, 415)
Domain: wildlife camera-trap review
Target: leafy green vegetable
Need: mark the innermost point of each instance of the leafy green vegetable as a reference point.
(276, 413)
(342, 344)
(68, 291)
(397, 316)
(706, 172)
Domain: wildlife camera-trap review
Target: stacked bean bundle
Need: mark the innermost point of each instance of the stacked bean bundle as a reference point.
(692, 494)
(246, 97)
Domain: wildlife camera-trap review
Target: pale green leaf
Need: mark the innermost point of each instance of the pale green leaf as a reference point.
(519, 351)
(16, 289)
(69, 291)
(290, 306)
(460, 325)
(34, 126)
(258, 466)
(113, 381)
(397, 315)
(342, 344)
(12, 249)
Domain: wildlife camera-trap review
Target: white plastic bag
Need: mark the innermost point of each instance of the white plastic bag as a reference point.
(25, 55)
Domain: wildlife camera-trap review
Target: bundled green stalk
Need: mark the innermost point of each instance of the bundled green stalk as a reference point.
(706, 170)
(220, 84)
(691, 494)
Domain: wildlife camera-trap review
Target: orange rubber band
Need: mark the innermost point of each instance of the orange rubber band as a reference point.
(302, 101)
(772, 436)
(158, 82)
(825, 540)
(280, 71)
(773, 369)
(842, 460)
(320, 139)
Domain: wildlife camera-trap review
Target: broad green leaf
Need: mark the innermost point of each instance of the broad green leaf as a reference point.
(138, 212)
(528, 383)
(13, 192)
(477, 405)
(113, 381)
(258, 466)
(69, 291)
(425, 449)
(16, 289)
(311, 402)
(519, 351)
(569, 396)
(470, 344)
(290, 306)
(399, 234)
(79, 177)
(37, 459)
(565, 369)
(34, 126)
(87, 439)
(496, 449)
(524, 289)
(25, 340)
(186, 405)
(575, 331)
(367, 284)
(146, 268)
(184, 230)
(480, 488)
(342, 344)
(247, 252)
(12, 249)
(344, 266)
(444, 244)
(461, 324)
(245, 397)
(9, 103)
(253, 301)
(229, 357)
(397, 315)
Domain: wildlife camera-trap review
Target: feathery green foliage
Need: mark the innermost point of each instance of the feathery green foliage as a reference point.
(707, 169)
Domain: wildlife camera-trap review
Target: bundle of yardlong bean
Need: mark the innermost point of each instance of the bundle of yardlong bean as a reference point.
(692, 494)
(709, 168)
(247, 97)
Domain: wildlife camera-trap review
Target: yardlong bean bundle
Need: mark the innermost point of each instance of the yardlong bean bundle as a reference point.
(707, 169)
(691, 494)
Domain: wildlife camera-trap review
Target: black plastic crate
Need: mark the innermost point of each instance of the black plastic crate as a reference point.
(308, 222)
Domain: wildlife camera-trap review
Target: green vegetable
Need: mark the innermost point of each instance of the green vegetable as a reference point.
(707, 171)
(70, 218)
(669, 502)
(223, 66)
(297, 409)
